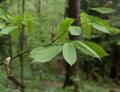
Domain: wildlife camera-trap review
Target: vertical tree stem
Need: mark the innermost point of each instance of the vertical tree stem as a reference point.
(21, 39)
(72, 11)
(38, 7)
(10, 45)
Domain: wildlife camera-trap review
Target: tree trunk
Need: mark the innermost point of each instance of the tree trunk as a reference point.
(10, 45)
(21, 42)
(115, 66)
(38, 7)
(72, 11)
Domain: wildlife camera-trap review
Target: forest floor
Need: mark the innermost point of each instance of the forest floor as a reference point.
(53, 82)
(49, 85)
(52, 85)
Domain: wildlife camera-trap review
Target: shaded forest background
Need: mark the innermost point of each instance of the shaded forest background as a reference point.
(94, 75)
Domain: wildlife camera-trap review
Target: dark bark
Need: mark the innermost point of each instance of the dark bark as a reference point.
(72, 11)
(16, 82)
(6, 64)
(115, 66)
(19, 4)
(10, 45)
(71, 73)
(21, 42)
(38, 7)
(21, 56)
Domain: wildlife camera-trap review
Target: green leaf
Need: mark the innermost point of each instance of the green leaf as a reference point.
(118, 43)
(6, 17)
(69, 53)
(63, 29)
(65, 24)
(114, 30)
(97, 48)
(39, 20)
(28, 22)
(85, 22)
(99, 21)
(90, 48)
(14, 33)
(100, 27)
(3, 17)
(2, 11)
(2, 25)
(7, 30)
(75, 30)
(103, 10)
(1, 34)
(45, 54)
(16, 20)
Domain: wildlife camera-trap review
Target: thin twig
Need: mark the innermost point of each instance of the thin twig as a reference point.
(28, 50)
(16, 82)
(6, 63)
(24, 52)
(55, 39)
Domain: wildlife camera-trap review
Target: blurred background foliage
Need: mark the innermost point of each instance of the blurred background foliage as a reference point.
(48, 77)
